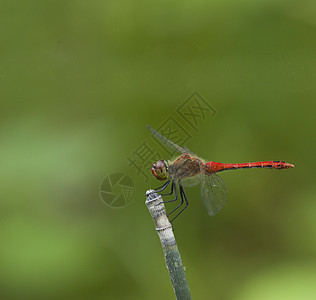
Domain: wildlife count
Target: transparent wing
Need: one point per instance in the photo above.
(166, 142)
(191, 181)
(213, 192)
(187, 150)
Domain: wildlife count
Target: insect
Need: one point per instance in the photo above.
(188, 170)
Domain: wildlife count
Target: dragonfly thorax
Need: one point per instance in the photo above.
(160, 170)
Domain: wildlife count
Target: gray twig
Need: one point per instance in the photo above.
(173, 260)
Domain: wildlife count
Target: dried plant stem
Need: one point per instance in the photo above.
(172, 256)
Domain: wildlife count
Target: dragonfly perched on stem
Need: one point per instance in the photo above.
(188, 170)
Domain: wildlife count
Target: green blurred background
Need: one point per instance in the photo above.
(78, 82)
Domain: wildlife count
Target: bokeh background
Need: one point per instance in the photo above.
(78, 82)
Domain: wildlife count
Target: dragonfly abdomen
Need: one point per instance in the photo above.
(273, 164)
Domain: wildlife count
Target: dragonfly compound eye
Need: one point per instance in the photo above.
(160, 170)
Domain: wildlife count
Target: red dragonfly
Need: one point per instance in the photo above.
(188, 170)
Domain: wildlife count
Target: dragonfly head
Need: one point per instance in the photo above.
(160, 170)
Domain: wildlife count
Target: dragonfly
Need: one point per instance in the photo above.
(188, 170)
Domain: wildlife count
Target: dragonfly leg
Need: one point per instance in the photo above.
(174, 186)
(161, 188)
(182, 194)
(171, 191)
(178, 205)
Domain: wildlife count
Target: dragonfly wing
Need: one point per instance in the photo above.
(213, 192)
(191, 181)
(165, 141)
(187, 150)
